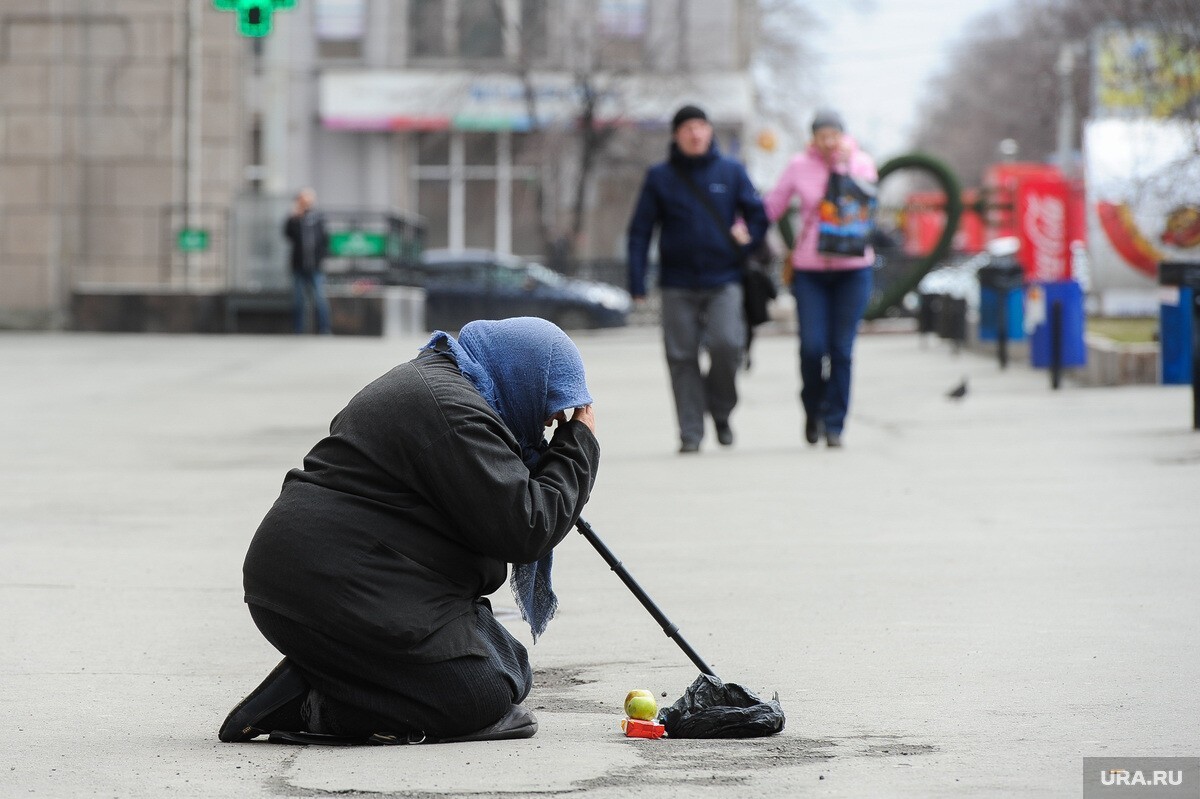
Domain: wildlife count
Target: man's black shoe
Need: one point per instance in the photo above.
(689, 447)
(248, 720)
(724, 434)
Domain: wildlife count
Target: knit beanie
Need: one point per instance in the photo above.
(827, 118)
(686, 113)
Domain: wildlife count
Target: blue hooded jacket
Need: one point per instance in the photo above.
(693, 251)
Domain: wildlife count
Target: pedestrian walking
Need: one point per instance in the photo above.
(305, 231)
(831, 290)
(709, 219)
(370, 572)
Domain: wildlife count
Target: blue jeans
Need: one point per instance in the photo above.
(304, 287)
(829, 306)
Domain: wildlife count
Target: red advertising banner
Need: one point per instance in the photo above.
(1042, 225)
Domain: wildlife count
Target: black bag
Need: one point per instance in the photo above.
(710, 708)
(757, 288)
(845, 216)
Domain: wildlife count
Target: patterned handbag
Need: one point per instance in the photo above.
(845, 216)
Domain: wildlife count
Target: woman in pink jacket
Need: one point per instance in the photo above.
(831, 291)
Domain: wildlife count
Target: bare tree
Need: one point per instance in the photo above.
(1002, 81)
(784, 64)
(572, 152)
(585, 138)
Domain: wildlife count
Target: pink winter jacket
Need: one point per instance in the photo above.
(805, 178)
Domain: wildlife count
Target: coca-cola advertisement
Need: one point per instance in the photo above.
(1042, 224)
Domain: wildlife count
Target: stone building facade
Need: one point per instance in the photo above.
(122, 127)
(93, 118)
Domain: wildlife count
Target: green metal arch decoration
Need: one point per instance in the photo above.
(954, 207)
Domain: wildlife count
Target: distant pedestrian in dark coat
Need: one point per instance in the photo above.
(305, 231)
(700, 269)
(370, 572)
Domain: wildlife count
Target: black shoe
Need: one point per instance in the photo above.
(833, 440)
(516, 723)
(812, 430)
(284, 685)
(724, 434)
(689, 447)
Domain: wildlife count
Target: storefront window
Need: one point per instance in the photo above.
(529, 149)
(622, 19)
(534, 29)
(479, 149)
(339, 26)
(475, 29)
(433, 149)
(526, 237)
(474, 195)
(480, 214)
(480, 29)
(433, 203)
(621, 31)
(427, 27)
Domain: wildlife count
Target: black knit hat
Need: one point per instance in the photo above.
(827, 118)
(686, 113)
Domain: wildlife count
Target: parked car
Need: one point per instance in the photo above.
(461, 286)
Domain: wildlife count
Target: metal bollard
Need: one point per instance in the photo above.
(1196, 359)
(1187, 273)
(1056, 343)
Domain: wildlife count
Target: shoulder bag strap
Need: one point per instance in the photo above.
(707, 202)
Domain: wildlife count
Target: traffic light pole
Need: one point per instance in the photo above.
(193, 74)
(274, 111)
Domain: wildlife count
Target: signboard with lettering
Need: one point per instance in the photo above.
(192, 240)
(1041, 220)
(358, 244)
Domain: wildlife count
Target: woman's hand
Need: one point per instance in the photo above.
(584, 414)
(587, 416)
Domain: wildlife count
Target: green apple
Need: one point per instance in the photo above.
(640, 705)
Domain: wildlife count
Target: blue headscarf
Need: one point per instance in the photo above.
(527, 370)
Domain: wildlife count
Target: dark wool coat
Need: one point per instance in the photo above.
(309, 241)
(409, 511)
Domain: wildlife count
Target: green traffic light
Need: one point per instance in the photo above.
(254, 16)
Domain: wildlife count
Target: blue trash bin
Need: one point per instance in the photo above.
(989, 307)
(1175, 339)
(1072, 349)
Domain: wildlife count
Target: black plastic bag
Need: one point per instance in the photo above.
(757, 292)
(710, 708)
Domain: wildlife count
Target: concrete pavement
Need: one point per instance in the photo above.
(966, 601)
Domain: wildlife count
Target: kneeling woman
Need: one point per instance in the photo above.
(370, 571)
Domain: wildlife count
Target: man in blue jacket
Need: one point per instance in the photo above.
(710, 218)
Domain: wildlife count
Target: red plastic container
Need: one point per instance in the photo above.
(636, 728)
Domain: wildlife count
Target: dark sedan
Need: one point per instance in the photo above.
(479, 284)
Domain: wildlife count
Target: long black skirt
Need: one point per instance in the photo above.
(356, 692)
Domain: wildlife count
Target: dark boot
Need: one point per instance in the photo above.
(516, 723)
(274, 704)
